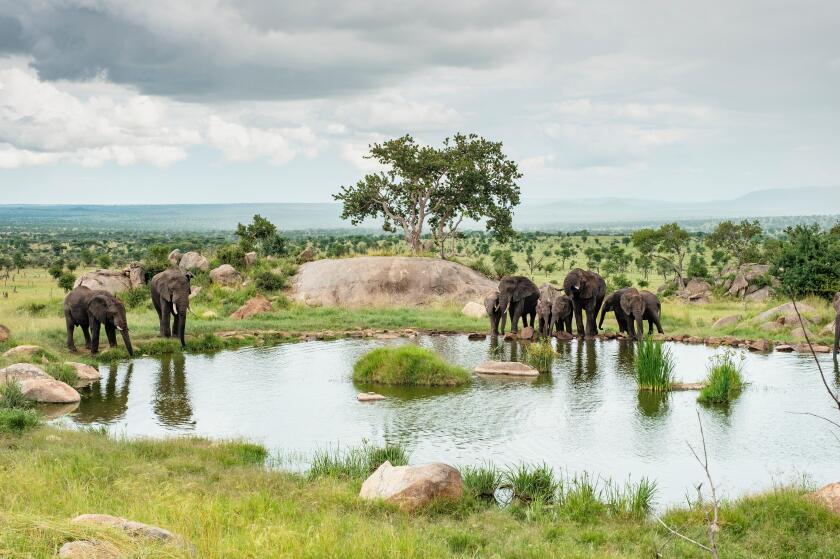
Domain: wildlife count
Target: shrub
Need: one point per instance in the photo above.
(137, 297)
(66, 280)
(503, 264)
(724, 380)
(233, 255)
(16, 420)
(266, 280)
(540, 355)
(654, 366)
(407, 364)
(35, 309)
(481, 481)
(481, 266)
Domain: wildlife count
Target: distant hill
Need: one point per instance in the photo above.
(795, 204)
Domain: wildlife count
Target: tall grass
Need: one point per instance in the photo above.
(16, 414)
(356, 462)
(11, 396)
(63, 372)
(530, 483)
(724, 380)
(481, 481)
(540, 355)
(407, 364)
(654, 366)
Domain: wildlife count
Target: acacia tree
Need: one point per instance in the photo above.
(739, 241)
(668, 244)
(468, 178)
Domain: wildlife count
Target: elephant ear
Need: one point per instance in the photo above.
(588, 286)
(524, 289)
(166, 292)
(98, 307)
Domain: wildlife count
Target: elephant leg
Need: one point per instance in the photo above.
(86, 331)
(94, 331)
(591, 327)
(568, 323)
(111, 333)
(631, 328)
(517, 313)
(579, 321)
(71, 326)
(164, 320)
(658, 324)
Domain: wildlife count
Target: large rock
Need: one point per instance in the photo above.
(474, 310)
(759, 295)
(255, 305)
(250, 259)
(696, 291)
(85, 373)
(739, 286)
(507, 368)
(5, 333)
(22, 351)
(788, 313)
(226, 275)
(412, 487)
(129, 526)
(175, 257)
(306, 255)
(194, 261)
(387, 281)
(829, 496)
(37, 385)
(113, 281)
(727, 321)
(88, 549)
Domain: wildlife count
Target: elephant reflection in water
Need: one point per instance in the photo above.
(172, 401)
(626, 357)
(106, 401)
(586, 364)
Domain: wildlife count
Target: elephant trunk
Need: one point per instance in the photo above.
(182, 326)
(504, 302)
(604, 310)
(127, 341)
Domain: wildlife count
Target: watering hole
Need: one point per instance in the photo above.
(585, 415)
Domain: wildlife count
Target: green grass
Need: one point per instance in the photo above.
(11, 396)
(226, 503)
(355, 463)
(540, 355)
(16, 420)
(654, 366)
(481, 481)
(408, 365)
(532, 482)
(724, 380)
(63, 372)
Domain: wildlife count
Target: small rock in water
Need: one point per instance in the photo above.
(680, 386)
(527, 333)
(563, 335)
(804, 348)
(369, 397)
(476, 336)
(694, 340)
(758, 345)
(784, 348)
(510, 336)
(85, 373)
(507, 368)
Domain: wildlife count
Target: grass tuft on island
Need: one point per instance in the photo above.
(654, 366)
(724, 380)
(407, 365)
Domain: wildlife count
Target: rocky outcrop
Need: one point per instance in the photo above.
(88, 549)
(192, 261)
(506, 368)
(829, 496)
(22, 351)
(5, 333)
(37, 385)
(129, 526)
(412, 487)
(727, 321)
(387, 281)
(474, 310)
(226, 275)
(194, 291)
(255, 305)
(85, 373)
(748, 281)
(250, 259)
(113, 281)
(696, 291)
(785, 315)
(306, 255)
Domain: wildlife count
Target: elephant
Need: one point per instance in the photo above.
(633, 305)
(836, 304)
(562, 311)
(170, 291)
(587, 290)
(653, 310)
(491, 304)
(612, 302)
(518, 296)
(547, 295)
(90, 309)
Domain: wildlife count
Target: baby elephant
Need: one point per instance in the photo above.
(91, 309)
(633, 306)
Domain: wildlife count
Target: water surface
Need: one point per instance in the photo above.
(587, 414)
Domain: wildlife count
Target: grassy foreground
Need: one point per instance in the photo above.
(220, 497)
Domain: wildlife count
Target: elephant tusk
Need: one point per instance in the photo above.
(118, 328)
(175, 309)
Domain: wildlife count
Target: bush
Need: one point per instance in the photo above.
(724, 380)
(137, 297)
(540, 355)
(16, 420)
(806, 262)
(266, 280)
(66, 280)
(481, 266)
(654, 366)
(407, 364)
(233, 255)
(503, 264)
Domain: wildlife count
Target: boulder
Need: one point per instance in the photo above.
(563, 335)
(527, 333)
(306, 255)
(787, 311)
(738, 287)
(387, 281)
(818, 348)
(175, 257)
(129, 526)
(250, 259)
(828, 496)
(474, 310)
(784, 348)
(693, 340)
(507, 368)
(412, 487)
(772, 326)
(209, 315)
(759, 295)
(255, 305)
(112, 281)
(87, 549)
(22, 351)
(758, 345)
(194, 261)
(226, 275)
(5, 333)
(85, 373)
(799, 333)
(369, 397)
(38, 386)
(136, 274)
(194, 291)
(828, 329)
(730, 320)
(696, 291)
(476, 336)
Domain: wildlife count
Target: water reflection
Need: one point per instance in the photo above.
(107, 400)
(653, 404)
(172, 400)
(586, 364)
(626, 357)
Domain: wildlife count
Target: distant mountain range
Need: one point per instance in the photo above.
(552, 214)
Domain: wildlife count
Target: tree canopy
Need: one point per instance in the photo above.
(468, 178)
(668, 244)
(739, 241)
(806, 261)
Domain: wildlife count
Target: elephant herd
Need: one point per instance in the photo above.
(92, 309)
(583, 291)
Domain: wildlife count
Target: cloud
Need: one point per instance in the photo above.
(242, 143)
(393, 112)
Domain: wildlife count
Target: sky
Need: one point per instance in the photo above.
(215, 101)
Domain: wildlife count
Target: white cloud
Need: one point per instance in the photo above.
(392, 111)
(242, 143)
